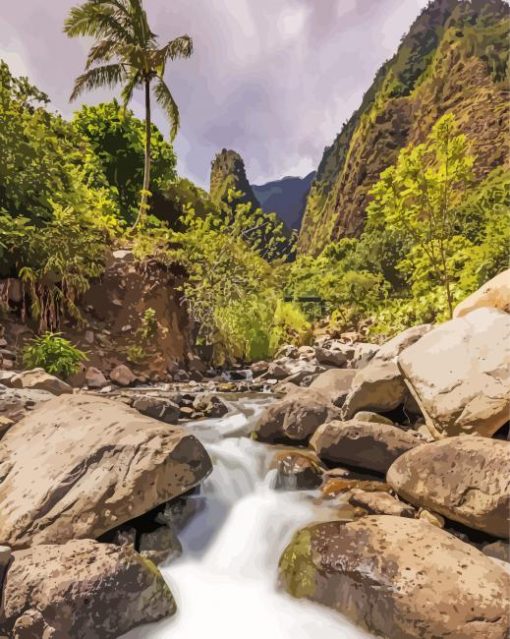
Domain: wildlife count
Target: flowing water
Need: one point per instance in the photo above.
(225, 581)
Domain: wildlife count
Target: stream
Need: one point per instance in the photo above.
(225, 581)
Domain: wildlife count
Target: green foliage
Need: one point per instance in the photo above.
(57, 212)
(118, 140)
(149, 324)
(57, 355)
(419, 199)
(126, 52)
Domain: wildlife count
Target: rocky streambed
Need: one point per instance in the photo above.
(373, 480)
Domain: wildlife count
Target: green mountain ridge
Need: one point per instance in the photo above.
(453, 59)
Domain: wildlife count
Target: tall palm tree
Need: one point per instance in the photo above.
(126, 52)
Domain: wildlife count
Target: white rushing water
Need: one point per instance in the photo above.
(225, 582)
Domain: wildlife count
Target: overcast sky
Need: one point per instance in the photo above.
(272, 79)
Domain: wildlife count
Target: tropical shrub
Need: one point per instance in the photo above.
(57, 355)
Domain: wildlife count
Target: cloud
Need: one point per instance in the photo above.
(273, 79)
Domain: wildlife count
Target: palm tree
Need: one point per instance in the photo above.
(126, 52)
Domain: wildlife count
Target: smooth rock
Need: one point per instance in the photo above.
(210, 405)
(498, 549)
(459, 374)
(160, 545)
(399, 578)
(39, 379)
(297, 470)
(379, 387)
(294, 418)
(82, 589)
(391, 350)
(494, 294)
(81, 465)
(330, 357)
(157, 407)
(94, 378)
(334, 384)
(15, 403)
(363, 444)
(466, 479)
(122, 375)
(368, 416)
(380, 503)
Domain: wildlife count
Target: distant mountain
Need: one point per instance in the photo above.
(286, 197)
(228, 172)
(454, 59)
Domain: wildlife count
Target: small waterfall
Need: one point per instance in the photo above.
(225, 582)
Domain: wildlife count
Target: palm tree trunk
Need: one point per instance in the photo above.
(144, 201)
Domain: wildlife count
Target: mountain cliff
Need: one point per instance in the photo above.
(454, 59)
(286, 197)
(229, 173)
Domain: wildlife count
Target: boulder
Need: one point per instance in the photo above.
(210, 405)
(294, 418)
(362, 444)
(459, 374)
(466, 479)
(123, 375)
(297, 470)
(259, 368)
(380, 503)
(494, 294)
(6, 378)
(5, 424)
(378, 387)
(334, 385)
(16, 403)
(5, 560)
(94, 378)
(368, 416)
(498, 549)
(330, 357)
(39, 379)
(81, 589)
(399, 578)
(79, 466)
(157, 408)
(160, 545)
(391, 350)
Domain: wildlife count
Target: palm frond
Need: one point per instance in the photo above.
(140, 23)
(103, 51)
(98, 20)
(133, 80)
(167, 103)
(107, 75)
(181, 47)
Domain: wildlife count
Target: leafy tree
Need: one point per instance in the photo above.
(126, 52)
(420, 198)
(118, 141)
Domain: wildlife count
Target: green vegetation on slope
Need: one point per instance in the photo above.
(434, 234)
(67, 192)
(454, 58)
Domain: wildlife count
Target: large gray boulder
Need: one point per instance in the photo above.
(391, 350)
(79, 466)
(399, 578)
(493, 294)
(466, 479)
(363, 444)
(39, 379)
(81, 589)
(295, 418)
(334, 385)
(459, 374)
(378, 387)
